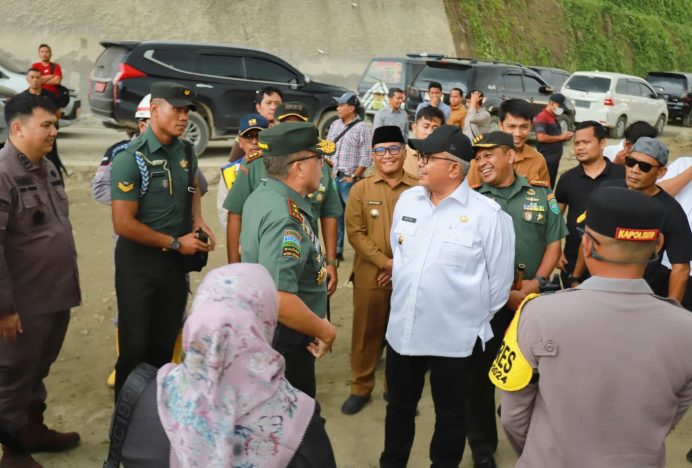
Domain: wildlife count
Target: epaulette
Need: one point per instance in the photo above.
(539, 183)
(476, 186)
(252, 157)
(294, 211)
(328, 161)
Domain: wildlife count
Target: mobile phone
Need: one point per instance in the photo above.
(201, 235)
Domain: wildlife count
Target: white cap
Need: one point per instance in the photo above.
(143, 107)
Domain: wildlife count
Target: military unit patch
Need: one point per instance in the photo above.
(294, 211)
(251, 157)
(125, 186)
(552, 203)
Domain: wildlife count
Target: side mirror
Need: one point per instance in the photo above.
(546, 90)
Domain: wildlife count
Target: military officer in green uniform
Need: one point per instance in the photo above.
(539, 229)
(277, 232)
(156, 211)
(325, 204)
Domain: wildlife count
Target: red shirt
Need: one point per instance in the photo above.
(50, 69)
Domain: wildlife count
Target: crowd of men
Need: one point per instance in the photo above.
(456, 232)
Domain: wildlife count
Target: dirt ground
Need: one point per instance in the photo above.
(80, 400)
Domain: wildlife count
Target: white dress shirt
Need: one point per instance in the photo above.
(684, 196)
(453, 269)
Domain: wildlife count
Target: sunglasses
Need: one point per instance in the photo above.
(393, 150)
(250, 136)
(643, 166)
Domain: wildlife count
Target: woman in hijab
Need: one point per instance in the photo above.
(228, 404)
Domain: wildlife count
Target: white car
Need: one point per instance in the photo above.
(615, 100)
(14, 78)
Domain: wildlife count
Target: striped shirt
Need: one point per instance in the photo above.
(353, 150)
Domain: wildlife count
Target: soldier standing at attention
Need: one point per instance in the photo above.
(539, 229)
(368, 222)
(277, 233)
(598, 375)
(157, 213)
(38, 278)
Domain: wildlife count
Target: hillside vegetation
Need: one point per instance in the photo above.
(627, 36)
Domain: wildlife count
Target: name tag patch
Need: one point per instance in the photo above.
(408, 219)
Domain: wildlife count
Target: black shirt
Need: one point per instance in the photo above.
(573, 189)
(677, 238)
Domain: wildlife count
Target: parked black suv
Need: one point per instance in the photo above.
(555, 77)
(677, 89)
(225, 79)
(497, 80)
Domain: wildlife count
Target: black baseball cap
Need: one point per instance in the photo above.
(493, 140)
(623, 214)
(557, 97)
(175, 94)
(447, 138)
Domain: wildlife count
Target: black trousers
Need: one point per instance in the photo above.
(449, 379)
(315, 451)
(481, 427)
(151, 291)
(300, 370)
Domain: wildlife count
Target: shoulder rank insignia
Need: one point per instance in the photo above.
(252, 157)
(539, 183)
(510, 370)
(476, 186)
(125, 186)
(294, 211)
(328, 160)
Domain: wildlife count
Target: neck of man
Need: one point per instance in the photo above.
(45, 62)
(615, 270)
(31, 155)
(436, 196)
(392, 179)
(594, 167)
(164, 138)
(506, 180)
(349, 118)
(34, 90)
(650, 191)
(296, 185)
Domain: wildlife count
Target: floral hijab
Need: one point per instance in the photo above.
(228, 404)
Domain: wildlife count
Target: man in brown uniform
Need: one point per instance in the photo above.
(368, 222)
(38, 278)
(515, 118)
(598, 375)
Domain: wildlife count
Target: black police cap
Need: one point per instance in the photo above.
(623, 214)
(386, 134)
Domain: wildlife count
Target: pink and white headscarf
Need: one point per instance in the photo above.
(228, 404)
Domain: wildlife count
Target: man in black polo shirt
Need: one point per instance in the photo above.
(574, 186)
(643, 166)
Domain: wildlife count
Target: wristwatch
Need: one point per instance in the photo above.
(574, 279)
(541, 282)
(333, 262)
(175, 244)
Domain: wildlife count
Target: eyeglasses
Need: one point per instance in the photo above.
(250, 136)
(393, 150)
(643, 166)
(316, 155)
(425, 158)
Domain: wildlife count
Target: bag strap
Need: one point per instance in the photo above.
(124, 409)
(190, 186)
(52, 68)
(348, 127)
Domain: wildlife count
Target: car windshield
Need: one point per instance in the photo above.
(389, 72)
(590, 84)
(448, 77)
(670, 84)
(10, 65)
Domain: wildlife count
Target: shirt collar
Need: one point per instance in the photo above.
(632, 286)
(288, 192)
(404, 179)
(154, 144)
(20, 158)
(604, 172)
(501, 192)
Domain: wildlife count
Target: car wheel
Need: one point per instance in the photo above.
(325, 121)
(687, 119)
(660, 125)
(619, 129)
(494, 123)
(197, 132)
(565, 124)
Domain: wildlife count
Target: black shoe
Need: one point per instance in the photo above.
(689, 456)
(484, 461)
(354, 404)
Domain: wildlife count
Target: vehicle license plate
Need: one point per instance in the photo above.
(579, 103)
(100, 86)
